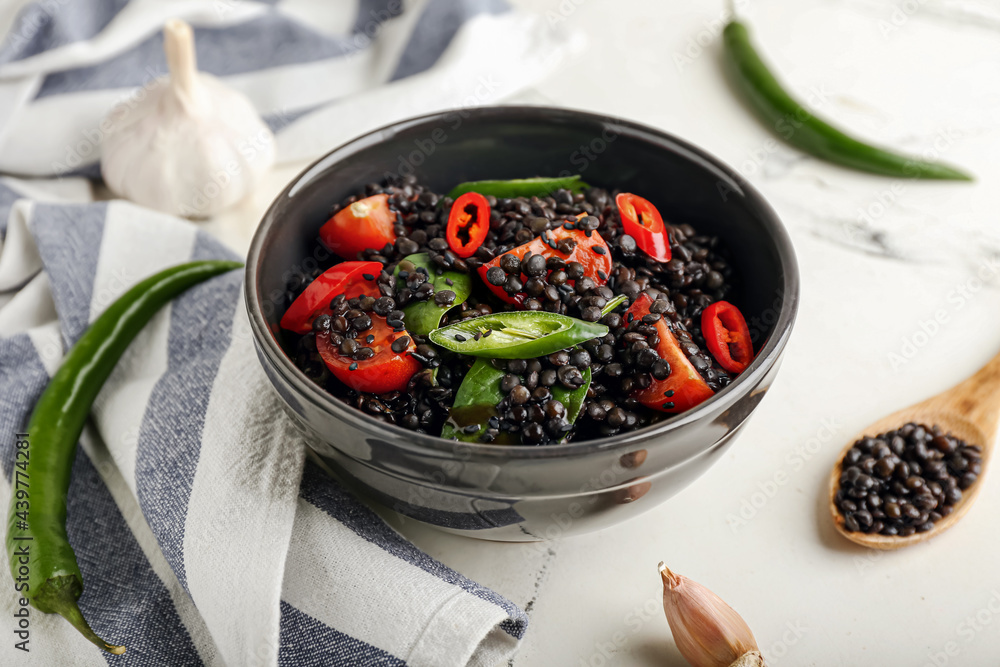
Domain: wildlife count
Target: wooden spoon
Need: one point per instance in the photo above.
(969, 411)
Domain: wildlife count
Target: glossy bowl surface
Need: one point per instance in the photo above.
(524, 493)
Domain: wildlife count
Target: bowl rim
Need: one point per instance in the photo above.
(427, 444)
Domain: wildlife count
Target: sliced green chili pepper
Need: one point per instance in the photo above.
(614, 303)
(520, 187)
(799, 127)
(475, 402)
(424, 316)
(516, 335)
(36, 529)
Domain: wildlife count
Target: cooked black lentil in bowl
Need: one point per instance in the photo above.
(413, 320)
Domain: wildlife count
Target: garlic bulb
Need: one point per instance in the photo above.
(707, 631)
(190, 145)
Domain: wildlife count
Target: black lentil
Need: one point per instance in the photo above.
(322, 323)
(510, 264)
(533, 265)
(496, 276)
(444, 298)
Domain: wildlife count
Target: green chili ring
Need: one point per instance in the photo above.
(53, 577)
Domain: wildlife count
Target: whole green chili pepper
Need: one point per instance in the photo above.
(521, 334)
(539, 186)
(422, 317)
(37, 545)
(799, 127)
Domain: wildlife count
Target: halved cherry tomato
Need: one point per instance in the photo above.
(468, 224)
(385, 371)
(684, 388)
(590, 250)
(349, 278)
(642, 221)
(367, 223)
(727, 336)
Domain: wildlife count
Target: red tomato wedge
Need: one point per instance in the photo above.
(349, 278)
(642, 221)
(468, 224)
(727, 337)
(383, 372)
(590, 251)
(684, 388)
(367, 223)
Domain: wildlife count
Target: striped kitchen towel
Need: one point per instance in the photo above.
(203, 534)
(318, 71)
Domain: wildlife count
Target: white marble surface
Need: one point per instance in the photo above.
(881, 259)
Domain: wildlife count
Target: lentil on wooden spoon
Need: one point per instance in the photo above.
(935, 450)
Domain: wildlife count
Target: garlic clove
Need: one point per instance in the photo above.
(707, 631)
(191, 146)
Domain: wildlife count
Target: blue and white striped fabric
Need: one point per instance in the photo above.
(203, 534)
(319, 71)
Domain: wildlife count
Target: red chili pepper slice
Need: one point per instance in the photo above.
(684, 388)
(642, 221)
(385, 371)
(348, 278)
(468, 224)
(590, 250)
(367, 223)
(726, 334)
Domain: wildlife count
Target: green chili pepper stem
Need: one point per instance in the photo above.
(37, 539)
(59, 595)
(791, 121)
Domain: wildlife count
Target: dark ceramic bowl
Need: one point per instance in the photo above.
(526, 493)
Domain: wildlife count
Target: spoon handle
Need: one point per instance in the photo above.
(977, 399)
